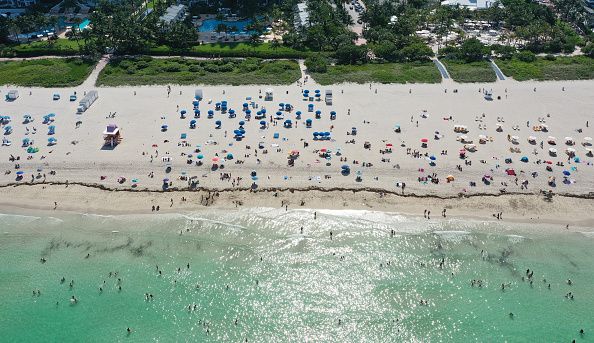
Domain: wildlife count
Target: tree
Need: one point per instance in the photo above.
(472, 50)
(180, 37)
(4, 30)
(416, 52)
(351, 54)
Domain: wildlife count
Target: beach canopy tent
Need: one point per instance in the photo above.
(198, 94)
(12, 95)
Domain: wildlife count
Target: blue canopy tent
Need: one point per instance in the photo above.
(218, 124)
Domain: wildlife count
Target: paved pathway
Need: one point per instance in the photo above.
(92, 78)
(442, 69)
(498, 71)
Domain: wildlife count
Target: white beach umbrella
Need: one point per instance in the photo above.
(553, 150)
(531, 139)
(570, 150)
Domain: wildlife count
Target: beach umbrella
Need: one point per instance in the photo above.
(524, 159)
(215, 159)
(218, 122)
(253, 173)
(298, 113)
(254, 178)
(245, 105)
(263, 111)
(51, 115)
(279, 113)
(199, 156)
(309, 121)
(262, 122)
(424, 140)
(317, 91)
(306, 91)
(241, 123)
(210, 112)
(183, 112)
(231, 111)
(193, 121)
(566, 173)
(318, 112)
(196, 103)
(20, 172)
(432, 158)
(165, 180)
(164, 127)
(229, 156)
(196, 111)
(282, 105)
(52, 140)
(345, 166)
(135, 180)
(316, 134)
(248, 112)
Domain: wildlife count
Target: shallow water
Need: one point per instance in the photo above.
(288, 286)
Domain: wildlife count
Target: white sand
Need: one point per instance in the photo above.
(139, 118)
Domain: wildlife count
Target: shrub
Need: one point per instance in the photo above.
(317, 64)
(526, 56)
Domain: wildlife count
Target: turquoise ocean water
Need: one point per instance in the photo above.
(253, 275)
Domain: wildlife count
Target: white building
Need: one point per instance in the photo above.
(174, 13)
(470, 4)
(301, 16)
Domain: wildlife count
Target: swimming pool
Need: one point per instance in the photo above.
(238, 26)
(83, 25)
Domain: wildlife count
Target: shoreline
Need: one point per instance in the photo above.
(561, 210)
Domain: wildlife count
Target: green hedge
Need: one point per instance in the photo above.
(263, 50)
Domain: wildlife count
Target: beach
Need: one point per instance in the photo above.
(404, 144)
(196, 234)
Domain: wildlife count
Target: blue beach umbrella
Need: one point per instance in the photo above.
(248, 112)
(20, 172)
(241, 123)
(199, 156)
(524, 159)
(432, 158)
(566, 173)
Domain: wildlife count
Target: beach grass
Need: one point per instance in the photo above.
(51, 72)
(234, 49)
(559, 68)
(419, 72)
(184, 71)
(468, 72)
